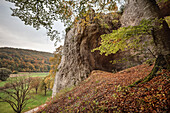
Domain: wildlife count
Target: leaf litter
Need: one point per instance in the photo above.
(107, 92)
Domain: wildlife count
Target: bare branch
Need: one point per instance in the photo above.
(18, 95)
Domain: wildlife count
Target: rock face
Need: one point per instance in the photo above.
(136, 10)
(78, 60)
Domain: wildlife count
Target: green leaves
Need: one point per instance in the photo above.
(126, 38)
(43, 13)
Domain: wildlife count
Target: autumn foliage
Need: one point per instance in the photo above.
(55, 61)
(107, 92)
(35, 83)
(24, 60)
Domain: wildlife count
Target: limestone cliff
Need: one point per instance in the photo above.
(135, 11)
(78, 60)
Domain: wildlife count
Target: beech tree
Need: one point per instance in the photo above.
(126, 38)
(43, 13)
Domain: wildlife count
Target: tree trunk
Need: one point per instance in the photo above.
(134, 12)
(160, 63)
(164, 7)
(45, 91)
(36, 89)
(161, 39)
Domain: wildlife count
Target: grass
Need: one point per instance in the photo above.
(33, 74)
(38, 99)
(2, 83)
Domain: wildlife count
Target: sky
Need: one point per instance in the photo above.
(14, 33)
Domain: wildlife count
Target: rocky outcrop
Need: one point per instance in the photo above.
(78, 60)
(136, 10)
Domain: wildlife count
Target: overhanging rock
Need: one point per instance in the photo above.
(78, 60)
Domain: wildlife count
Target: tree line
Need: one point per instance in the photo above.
(23, 60)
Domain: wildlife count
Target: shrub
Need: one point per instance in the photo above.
(35, 82)
(43, 86)
(15, 72)
(4, 73)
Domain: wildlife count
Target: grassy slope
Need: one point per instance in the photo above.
(103, 92)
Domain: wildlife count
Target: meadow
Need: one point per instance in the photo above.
(37, 100)
(25, 74)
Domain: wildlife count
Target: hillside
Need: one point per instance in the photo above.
(24, 60)
(104, 92)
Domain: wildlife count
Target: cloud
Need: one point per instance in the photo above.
(14, 33)
(27, 40)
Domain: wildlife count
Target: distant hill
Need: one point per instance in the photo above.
(24, 60)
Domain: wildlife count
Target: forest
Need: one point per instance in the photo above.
(23, 60)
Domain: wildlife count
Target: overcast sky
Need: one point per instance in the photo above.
(14, 33)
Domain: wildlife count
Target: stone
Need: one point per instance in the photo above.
(78, 60)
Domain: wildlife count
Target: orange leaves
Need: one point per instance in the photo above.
(104, 92)
(115, 41)
(55, 61)
(25, 60)
(51, 59)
